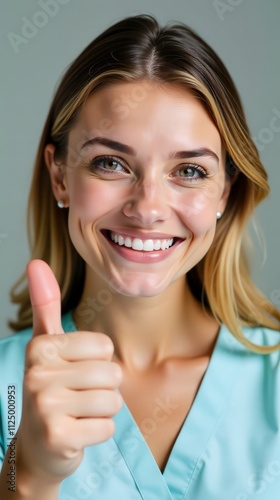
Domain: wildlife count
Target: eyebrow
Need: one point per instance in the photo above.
(123, 148)
(195, 153)
(118, 146)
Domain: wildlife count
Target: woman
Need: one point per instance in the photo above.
(145, 178)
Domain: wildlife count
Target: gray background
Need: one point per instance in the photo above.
(245, 33)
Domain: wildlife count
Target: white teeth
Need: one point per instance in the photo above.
(141, 245)
(127, 242)
(157, 245)
(148, 246)
(137, 244)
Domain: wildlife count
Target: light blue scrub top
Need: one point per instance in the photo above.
(227, 449)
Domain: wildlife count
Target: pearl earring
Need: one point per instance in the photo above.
(218, 215)
(60, 204)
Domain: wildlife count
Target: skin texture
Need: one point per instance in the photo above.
(150, 337)
(148, 197)
(158, 329)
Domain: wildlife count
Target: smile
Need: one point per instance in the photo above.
(136, 247)
(145, 245)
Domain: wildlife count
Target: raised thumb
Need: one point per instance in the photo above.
(45, 298)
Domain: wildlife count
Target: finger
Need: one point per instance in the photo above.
(81, 432)
(87, 346)
(93, 404)
(45, 298)
(91, 431)
(90, 375)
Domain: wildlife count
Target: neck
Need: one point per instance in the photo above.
(148, 330)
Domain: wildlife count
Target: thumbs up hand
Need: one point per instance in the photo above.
(45, 299)
(70, 399)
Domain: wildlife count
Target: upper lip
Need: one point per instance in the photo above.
(134, 233)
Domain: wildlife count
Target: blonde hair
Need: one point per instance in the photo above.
(136, 49)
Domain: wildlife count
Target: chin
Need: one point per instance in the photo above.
(139, 287)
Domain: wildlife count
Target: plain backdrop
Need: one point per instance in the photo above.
(40, 39)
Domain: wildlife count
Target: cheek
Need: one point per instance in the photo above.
(89, 200)
(198, 211)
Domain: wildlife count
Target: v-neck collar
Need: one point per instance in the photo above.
(223, 371)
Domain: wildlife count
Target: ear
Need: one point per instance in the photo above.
(56, 175)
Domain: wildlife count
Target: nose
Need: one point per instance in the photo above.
(147, 204)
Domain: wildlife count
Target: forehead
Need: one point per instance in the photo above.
(149, 112)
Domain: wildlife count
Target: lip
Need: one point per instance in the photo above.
(142, 256)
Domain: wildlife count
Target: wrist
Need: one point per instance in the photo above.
(31, 480)
(28, 487)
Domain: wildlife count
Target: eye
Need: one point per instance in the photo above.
(191, 172)
(107, 164)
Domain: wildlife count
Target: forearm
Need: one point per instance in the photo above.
(19, 484)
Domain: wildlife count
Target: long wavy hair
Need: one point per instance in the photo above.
(137, 49)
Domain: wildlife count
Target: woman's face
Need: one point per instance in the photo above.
(144, 180)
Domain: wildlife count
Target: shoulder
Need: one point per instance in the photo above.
(259, 335)
(14, 345)
(233, 351)
(265, 337)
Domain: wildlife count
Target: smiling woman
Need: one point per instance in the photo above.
(156, 193)
(145, 178)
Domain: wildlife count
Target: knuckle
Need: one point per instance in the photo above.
(108, 428)
(40, 351)
(35, 379)
(117, 372)
(105, 403)
(115, 401)
(31, 380)
(31, 352)
(105, 342)
(119, 401)
(43, 403)
(53, 434)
